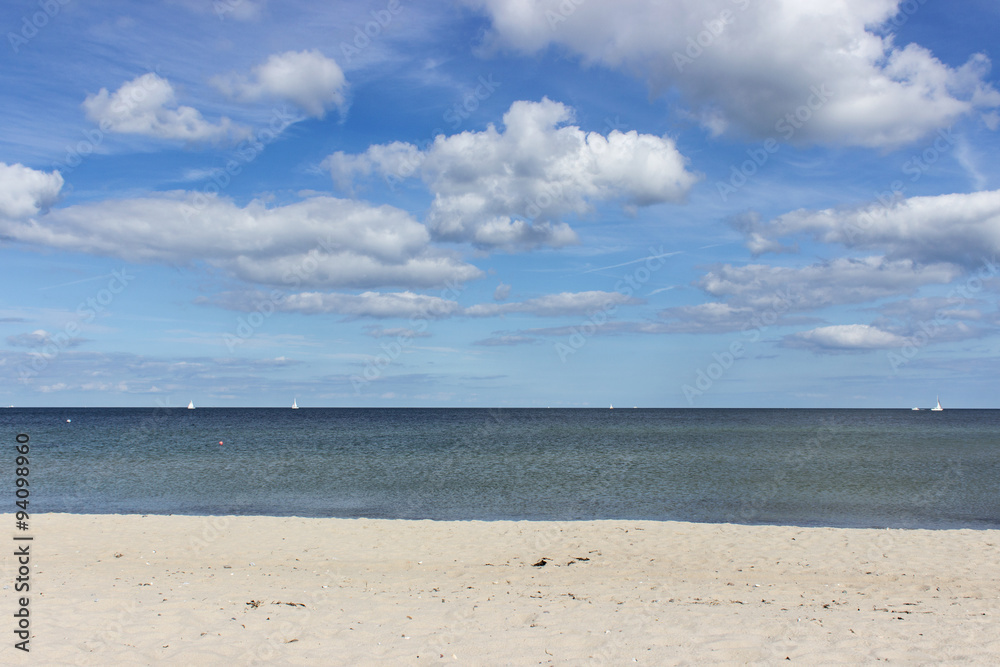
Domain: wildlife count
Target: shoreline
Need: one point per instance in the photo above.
(169, 589)
(915, 527)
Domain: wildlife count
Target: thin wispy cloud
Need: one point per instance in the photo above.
(634, 261)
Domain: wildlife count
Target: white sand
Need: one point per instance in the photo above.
(131, 590)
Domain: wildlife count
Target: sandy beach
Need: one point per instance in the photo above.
(144, 590)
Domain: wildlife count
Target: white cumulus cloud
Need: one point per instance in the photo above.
(960, 228)
(845, 338)
(319, 241)
(831, 71)
(512, 188)
(147, 105)
(307, 79)
(25, 192)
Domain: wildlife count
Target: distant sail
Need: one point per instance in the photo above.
(191, 405)
(295, 405)
(937, 408)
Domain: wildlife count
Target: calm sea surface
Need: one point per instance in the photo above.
(870, 468)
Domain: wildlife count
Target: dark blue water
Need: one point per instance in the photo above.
(867, 468)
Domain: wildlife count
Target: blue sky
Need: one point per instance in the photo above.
(731, 203)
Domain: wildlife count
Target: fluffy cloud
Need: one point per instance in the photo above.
(938, 319)
(744, 66)
(838, 281)
(959, 228)
(307, 79)
(757, 296)
(147, 105)
(24, 191)
(555, 305)
(512, 188)
(320, 241)
(845, 338)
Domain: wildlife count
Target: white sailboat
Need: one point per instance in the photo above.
(295, 405)
(937, 408)
(191, 405)
(612, 407)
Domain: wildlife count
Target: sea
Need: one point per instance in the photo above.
(843, 468)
